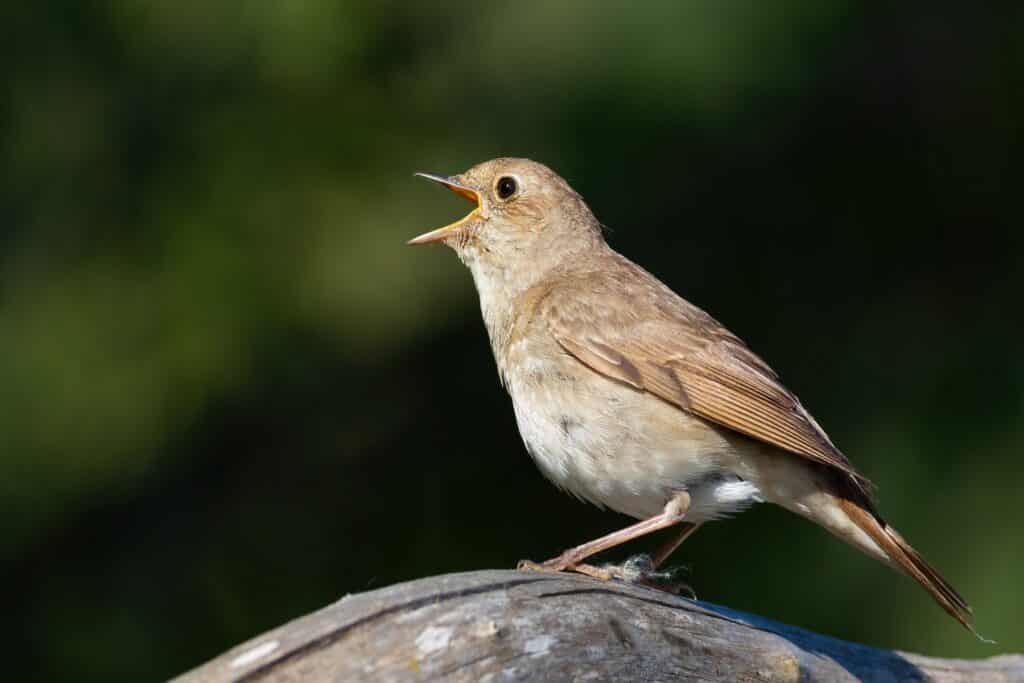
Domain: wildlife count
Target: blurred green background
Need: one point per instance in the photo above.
(230, 395)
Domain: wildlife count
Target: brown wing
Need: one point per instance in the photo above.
(655, 341)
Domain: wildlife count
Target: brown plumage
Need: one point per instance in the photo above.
(903, 557)
(655, 341)
(631, 397)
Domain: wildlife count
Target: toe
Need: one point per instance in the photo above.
(599, 573)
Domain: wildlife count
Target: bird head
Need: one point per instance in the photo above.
(526, 219)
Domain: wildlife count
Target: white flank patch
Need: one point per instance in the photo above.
(731, 492)
(255, 653)
(433, 639)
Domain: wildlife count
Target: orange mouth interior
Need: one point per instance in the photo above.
(471, 196)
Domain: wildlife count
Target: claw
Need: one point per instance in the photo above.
(563, 562)
(531, 566)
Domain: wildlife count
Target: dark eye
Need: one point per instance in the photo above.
(507, 187)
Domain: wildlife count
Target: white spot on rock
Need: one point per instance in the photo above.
(503, 675)
(432, 639)
(485, 629)
(536, 647)
(250, 656)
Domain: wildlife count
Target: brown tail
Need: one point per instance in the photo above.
(903, 557)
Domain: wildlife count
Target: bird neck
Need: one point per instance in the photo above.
(498, 291)
(507, 295)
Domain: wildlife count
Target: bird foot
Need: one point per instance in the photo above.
(640, 570)
(565, 564)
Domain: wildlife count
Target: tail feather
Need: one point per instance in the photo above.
(903, 557)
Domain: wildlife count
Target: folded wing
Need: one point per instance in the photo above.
(677, 352)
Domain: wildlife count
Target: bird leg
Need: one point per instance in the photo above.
(571, 560)
(685, 529)
(643, 569)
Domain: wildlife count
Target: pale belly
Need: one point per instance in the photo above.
(626, 450)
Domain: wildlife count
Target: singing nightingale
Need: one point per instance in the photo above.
(632, 398)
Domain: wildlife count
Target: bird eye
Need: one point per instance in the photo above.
(506, 187)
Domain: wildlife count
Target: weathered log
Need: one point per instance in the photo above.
(527, 626)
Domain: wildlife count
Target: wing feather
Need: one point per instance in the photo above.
(659, 343)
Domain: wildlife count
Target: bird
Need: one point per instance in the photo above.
(631, 398)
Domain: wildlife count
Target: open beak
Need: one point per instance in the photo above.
(448, 230)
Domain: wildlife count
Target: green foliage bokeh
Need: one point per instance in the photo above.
(229, 394)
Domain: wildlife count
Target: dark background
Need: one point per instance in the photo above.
(230, 395)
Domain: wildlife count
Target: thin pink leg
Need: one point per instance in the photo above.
(673, 513)
(686, 529)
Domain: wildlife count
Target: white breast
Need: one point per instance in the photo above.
(619, 448)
